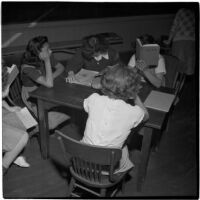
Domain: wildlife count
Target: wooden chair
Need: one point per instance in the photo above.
(88, 163)
(175, 78)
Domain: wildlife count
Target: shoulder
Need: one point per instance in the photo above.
(93, 97)
(137, 111)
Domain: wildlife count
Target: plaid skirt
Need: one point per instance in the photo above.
(185, 51)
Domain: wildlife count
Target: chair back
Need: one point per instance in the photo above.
(16, 86)
(90, 161)
(175, 78)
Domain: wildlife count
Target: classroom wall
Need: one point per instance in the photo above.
(126, 27)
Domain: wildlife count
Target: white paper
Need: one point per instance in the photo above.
(26, 118)
(85, 77)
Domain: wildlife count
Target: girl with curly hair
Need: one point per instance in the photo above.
(110, 117)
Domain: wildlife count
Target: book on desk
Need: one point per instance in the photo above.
(147, 52)
(159, 101)
(85, 77)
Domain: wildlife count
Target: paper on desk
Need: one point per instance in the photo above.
(26, 118)
(159, 101)
(85, 77)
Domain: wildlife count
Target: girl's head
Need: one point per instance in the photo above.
(147, 39)
(94, 46)
(119, 82)
(35, 49)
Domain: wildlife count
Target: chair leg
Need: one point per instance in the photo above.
(103, 192)
(71, 186)
(123, 185)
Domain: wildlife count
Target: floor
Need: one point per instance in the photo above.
(172, 170)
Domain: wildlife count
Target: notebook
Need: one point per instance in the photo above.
(85, 77)
(159, 101)
(147, 52)
(26, 118)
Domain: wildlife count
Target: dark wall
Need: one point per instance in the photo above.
(24, 12)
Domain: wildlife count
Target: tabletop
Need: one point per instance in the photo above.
(73, 95)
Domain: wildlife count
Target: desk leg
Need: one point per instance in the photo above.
(44, 129)
(145, 152)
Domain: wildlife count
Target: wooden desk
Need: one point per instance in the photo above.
(72, 95)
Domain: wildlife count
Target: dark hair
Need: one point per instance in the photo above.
(147, 39)
(4, 74)
(94, 44)
(31, 55)
(120, 82)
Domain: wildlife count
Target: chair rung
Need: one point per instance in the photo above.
(114, 192)
(74, 195)
(84, 188)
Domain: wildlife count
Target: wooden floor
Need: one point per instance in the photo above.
(172, 171)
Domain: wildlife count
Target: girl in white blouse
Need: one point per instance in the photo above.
(110, 117)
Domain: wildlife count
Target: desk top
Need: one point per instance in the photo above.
(72, 95)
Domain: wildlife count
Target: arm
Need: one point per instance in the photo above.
(59, 70)
(141, 105)
(46, 80)
(10, 108)
(154, 78)
(74, 65)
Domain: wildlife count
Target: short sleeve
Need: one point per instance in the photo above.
(88, 102)
(138, 115)
(132, 61)
(31, 72)
(161, 66)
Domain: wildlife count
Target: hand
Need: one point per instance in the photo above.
(45, 55)
(15, 109)
(71, 77)
(141, 65)
(96, 83)
(166, 42)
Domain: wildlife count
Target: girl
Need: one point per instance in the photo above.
(95, 55)
(14, 135)
(154, 75)
(110, 117)
(40, 68)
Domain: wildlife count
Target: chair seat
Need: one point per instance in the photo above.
(105, 182)
(56, 118)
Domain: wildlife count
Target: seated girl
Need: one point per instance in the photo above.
(14, 135)
(154, 75)
(95, 55)
(39, 67)
(110, 117)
